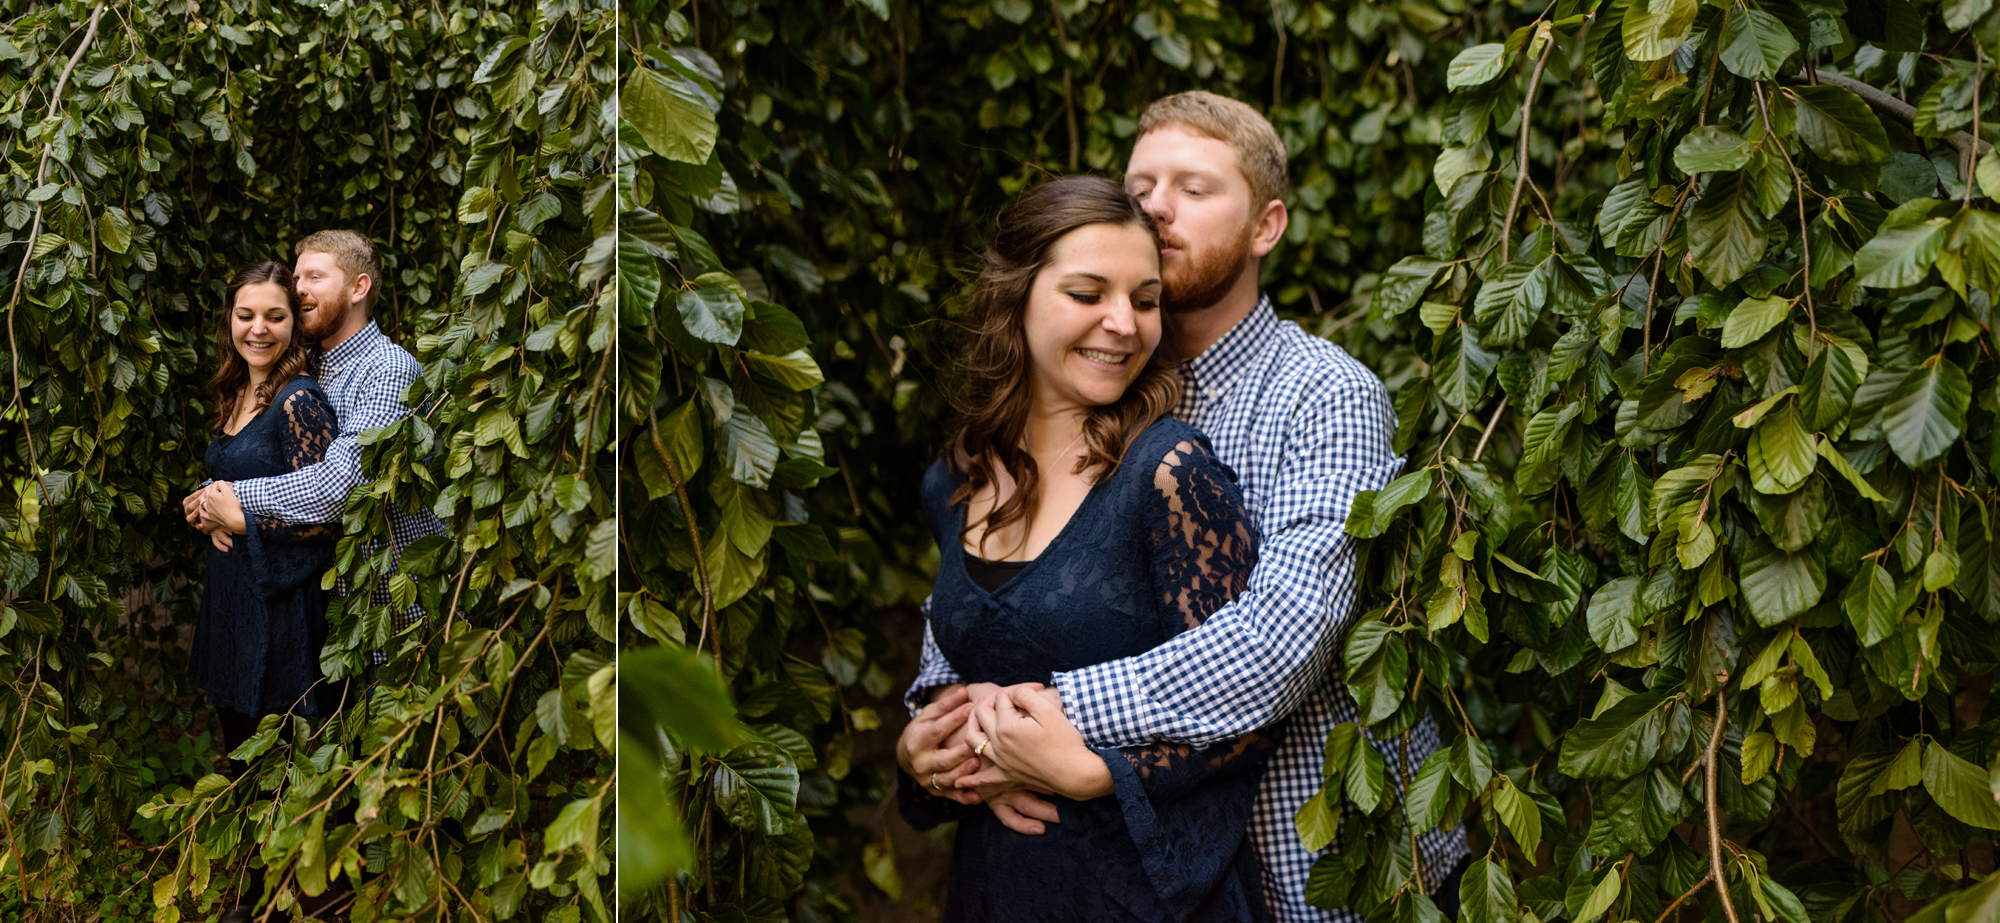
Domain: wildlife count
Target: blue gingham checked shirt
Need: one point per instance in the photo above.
(364, 378)
(1306, 427)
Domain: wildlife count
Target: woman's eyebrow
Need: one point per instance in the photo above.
(1094, 277)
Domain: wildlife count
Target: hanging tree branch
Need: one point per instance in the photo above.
(28, 249)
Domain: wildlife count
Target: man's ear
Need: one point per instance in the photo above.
(1269, 228)
(364, 283)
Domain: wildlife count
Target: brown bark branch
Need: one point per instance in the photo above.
(1710, 808)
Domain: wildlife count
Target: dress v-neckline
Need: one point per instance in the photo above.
(1030, 564)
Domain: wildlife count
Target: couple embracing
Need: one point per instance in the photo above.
(1128, 671)
(303, 371)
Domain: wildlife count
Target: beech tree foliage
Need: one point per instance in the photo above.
(151, 147)
(1695, 544)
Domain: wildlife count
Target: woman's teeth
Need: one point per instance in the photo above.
(1106, 358)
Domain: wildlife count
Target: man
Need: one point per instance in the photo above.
(364, 376)
(1306, 427)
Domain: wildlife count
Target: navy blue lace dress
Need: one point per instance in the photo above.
(263, 614)
(1151, 552)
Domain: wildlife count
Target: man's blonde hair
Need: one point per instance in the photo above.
(1259, 152)
(353, 252)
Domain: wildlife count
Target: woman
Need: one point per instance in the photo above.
(263, 614)
(1078, 524)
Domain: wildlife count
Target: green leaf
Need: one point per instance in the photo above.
(1653, 29)
(1781, 452)
(1462, 370)
(757, 789)
(1725, 229)
(1456, 163)
(1901, 256)
(1613, 614)
(575, 826)
(1618, 744)
(1926, 412)
(1430, 792)
(673, 689)
(712, 313)
(670, 114)
(1404, 285)
(751, 449)
(1367, 776)
(1778, 585)
(1519, 813)
(1828, 389)
(1476, 65)
(1711, 149)
(1960, 788)
(1872, 603)
(1510, 301)
(1318, 821)
(796, 370)
(1846, 469)
(1486, 894)
(1603, 895)
(1403, 491)
(1760, 750)
(1752, 318)
(1838, 126)
(1755, 44)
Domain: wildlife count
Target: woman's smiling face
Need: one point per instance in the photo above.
(1093, 318)
(260, 324)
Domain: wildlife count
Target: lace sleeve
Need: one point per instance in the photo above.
(307, 427)
(1204, 547)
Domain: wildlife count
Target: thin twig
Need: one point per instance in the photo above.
(1521, 158)
(1805, 241)
(1683, 898)
(1978, 77)
(694, 535)
(1492, 421)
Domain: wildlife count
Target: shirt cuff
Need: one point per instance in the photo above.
(1103, 702)
(250, 495)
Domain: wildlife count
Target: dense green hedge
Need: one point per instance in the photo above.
(1661, 471)
(150, 147)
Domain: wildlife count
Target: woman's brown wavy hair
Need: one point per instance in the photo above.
(992, 395)
(232, 377)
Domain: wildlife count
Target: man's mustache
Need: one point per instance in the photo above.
(1169, 240)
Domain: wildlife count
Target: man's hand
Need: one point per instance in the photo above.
(191, 506)
(1023, 738)
(222, 541)
(923, 752)
(219, 509)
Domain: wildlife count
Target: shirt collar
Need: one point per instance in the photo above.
(1221, 364)
(363, 340)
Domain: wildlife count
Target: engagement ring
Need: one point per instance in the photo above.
(934, 785)
(981, 749)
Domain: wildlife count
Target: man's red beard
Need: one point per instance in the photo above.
(1203, 276)
(322, 321)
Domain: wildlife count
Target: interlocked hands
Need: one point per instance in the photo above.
(216, 511)
(1003, 747)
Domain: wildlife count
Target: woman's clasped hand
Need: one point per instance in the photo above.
(961, 748)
